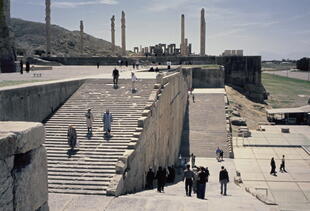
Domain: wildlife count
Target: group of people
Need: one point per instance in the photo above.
(162, 176)
(107, 119)
(195, 179)
(21, 64)
(273, 166)
(134, 78)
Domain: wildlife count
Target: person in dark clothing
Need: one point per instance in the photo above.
(27, 67)
(171, 175)
(224, 179)
(282, 166)
(201, 183)
(188, 177)
(98, 65)
(115, 76)
(156, 69)
(273, 167)
(21, 67)
(126, 63)
(161, 179)
(149, 179)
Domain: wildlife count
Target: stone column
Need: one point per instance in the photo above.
(113, 34)
(48, 26)
(182, 47)
(123, 21)
(202, 33)
(82, 37)
(7, 53)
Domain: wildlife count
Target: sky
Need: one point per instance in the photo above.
(274, 29)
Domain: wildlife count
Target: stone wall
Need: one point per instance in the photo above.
(23, 167)
(35, 102)
(204, 77)
(7, 55)
(158, 136)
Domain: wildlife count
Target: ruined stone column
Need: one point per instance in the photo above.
(113, 34)
(82, 37)
(123, 21)
(48, 26)
(202, 33)
(186, 47)
(182, 35)
(7, 53)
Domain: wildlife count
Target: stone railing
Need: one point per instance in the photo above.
(157, 139)
(35, 102)
(23, 167)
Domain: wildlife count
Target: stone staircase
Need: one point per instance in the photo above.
(90, 170)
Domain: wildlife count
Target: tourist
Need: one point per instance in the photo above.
(72, 137)
(193, 158)
(282, 166)
(193, 97)
(217, 152)
(133, 65)
(137, 64)
(115, 76)
(89, 120)
(98, 65)
(21, 67)
(156, 69)
(171, 174)
(107, 121)
(133, 81)
(201, 183)
(149, 179)
(161, 179)
(188, 177)
(27, 67)
(273, 167)
(195, 170)
(224, 179)
(126, 63)
(221, 155)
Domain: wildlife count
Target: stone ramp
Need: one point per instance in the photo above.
(205, 124)
(89, 170)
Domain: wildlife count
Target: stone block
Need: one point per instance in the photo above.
(141, 121)
(120, 166)
(30, 173)
(6, 183)
(116, 186)
(22, 137)
(132, 145)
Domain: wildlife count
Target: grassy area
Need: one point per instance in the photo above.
(277, 67)
(14, 83)
(286, 92)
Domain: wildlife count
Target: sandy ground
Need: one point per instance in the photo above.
(252, 112)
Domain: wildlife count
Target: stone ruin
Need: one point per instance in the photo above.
(7, 52)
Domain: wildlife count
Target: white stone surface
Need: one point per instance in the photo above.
(23, 137)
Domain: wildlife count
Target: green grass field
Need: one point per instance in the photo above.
(14, 83)
(286, 92)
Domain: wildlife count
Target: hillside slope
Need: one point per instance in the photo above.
(30, 38)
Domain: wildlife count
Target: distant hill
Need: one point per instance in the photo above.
(30, 39)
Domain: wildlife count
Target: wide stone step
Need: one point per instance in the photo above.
(77, 187)
(82, 167)
(72, 191)
(74, 174)
(84, 178)
(82, 171)
(81, 163)
(100, 184)
(81, 156)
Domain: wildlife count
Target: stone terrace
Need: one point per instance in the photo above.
(89, 170)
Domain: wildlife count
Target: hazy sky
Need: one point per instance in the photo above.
(272, 28)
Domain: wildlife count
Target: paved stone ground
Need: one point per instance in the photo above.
(206, 124)
(291, 74)
(290, 190)
(70, 72)
(173, 199)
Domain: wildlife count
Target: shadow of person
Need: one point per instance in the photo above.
(71, 152)
(89, 134)
(107, 137)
